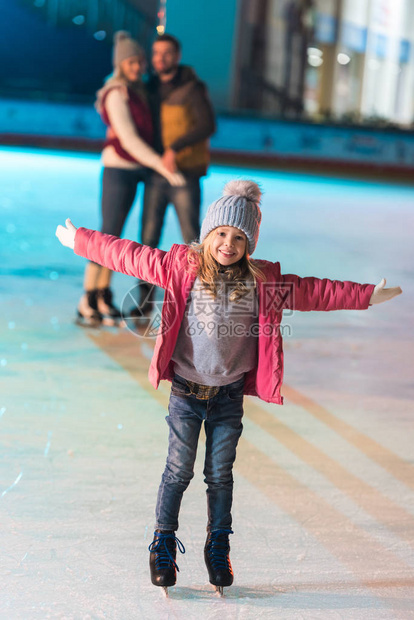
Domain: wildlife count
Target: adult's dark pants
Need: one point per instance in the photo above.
(158, 194)
(119, 188)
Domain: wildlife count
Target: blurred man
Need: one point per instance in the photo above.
(183, 120)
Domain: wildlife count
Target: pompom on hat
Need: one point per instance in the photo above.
(238, 207)
(125, 47)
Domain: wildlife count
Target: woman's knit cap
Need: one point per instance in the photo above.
(125, 47)
(238, 207)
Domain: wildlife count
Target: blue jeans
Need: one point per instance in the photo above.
(222, 415)
(158, 194)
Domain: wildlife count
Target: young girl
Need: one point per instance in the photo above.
(219, 339)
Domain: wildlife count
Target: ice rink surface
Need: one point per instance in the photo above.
(324, 504)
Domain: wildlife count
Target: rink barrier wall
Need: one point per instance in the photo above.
(239, 139)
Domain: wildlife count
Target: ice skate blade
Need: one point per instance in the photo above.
(141, 320)
(165, 591)
(219, 590)
(81, 321)
(109, 321)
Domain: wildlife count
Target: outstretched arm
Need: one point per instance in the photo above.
(381, 294)
(133, 259)
(323, 295)
(307, 294)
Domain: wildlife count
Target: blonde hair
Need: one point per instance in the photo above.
(207, 269)
(118, 80)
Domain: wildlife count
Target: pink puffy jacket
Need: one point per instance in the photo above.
(172, 272)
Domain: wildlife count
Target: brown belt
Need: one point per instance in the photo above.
(202, 392)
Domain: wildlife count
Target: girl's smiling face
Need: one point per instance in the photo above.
(228, 245)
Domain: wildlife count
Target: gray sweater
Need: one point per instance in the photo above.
(217, 344)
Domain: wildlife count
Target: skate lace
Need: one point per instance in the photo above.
(218, 549)
(162, 547)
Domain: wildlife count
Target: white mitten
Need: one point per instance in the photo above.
(381, 294)
(66, 234)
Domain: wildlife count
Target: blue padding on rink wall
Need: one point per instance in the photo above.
(73, 125)
(315, 142)
(50, 119)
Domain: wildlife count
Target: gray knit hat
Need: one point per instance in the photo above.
(238, 207)
(124, 47)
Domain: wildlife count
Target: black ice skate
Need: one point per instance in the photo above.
(88, 314)
(110, 313)
(216, 556)
(163, 551)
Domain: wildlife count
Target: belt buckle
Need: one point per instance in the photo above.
(202, 392)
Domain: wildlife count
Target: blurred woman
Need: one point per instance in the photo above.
(127, 153)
